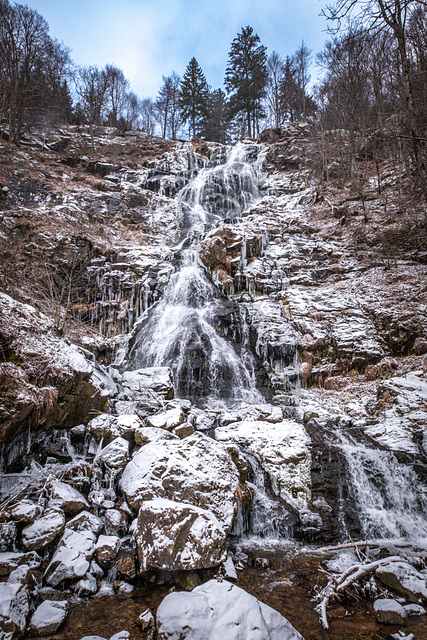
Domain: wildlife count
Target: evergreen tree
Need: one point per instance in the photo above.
(216, 123)
(246, 77)
(194, 96)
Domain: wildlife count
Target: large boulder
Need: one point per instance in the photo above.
(48, 617)
(173, 536)
(388, 611)
(197, 471)
(15, 599)
(283, 451)
(71, 559)
(67, 498)
(107, 427)
(220, 610)
(404, 579)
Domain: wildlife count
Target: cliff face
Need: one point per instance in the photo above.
(324, 284)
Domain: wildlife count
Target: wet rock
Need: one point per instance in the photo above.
(404, 579)
(115, 455)
(9, 561)
(123, 589)
(66, 498)
(197, 471)
(283, 451)
(106, 549)
(126, 564)
(48, 617)
(44, 530)
(87, 586)
(158, 379)
(388, 611)
(173, 536)
(107, 427)
(146, 620)
(220, 610)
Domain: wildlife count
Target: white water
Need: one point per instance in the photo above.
(390, 499)
(181, 330)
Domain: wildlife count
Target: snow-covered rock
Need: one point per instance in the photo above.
(11, 560)
(26, 511)
(107, 427)
(8, 535)
(43, 530)
(150, 434)
(220, 610)
(15, 597)
(67, 498)
(115, 454)
(146, 620)
(388, 611)
(404, 579)
(158, 379)
(71, 558)
(196, 471)
(107, 549)
(115, 522)
(166, 420)
(283, 451)
(48, 617)
(87, 586)
(85, 521)
(175, 536)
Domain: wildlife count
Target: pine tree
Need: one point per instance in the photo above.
(216, 123)
(246, 77)
(194, 96)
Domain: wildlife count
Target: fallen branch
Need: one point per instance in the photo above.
(339, 583)
(350, 545)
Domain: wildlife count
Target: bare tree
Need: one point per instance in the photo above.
(147, 112)
(302, 60)
(118, 87)
(275, 68)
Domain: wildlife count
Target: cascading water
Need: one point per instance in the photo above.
(389, 497)
(180, 330)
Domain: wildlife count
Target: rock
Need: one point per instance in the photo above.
(283, 451)
(167, 420)
(229, 568)
(146, 620)
(220, 610)
(8, 533)
(106, 549)
(115, 522)
(15, 602)
(107, 427)
(414, 610)
(404, 579)
(197, 471)
(88, 586)
(150, 434)
(123, 589)
(9, 561)
(43, 530)
(48, 617)
(85, 521)
(173, 536)
(71, 559)
(126, 564)
(388, 611)
(183, 430)
(115, 455)
(67, 498)
(25, 512)
(158, 379)
(122, 635)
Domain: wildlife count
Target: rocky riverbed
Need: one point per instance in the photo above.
(210, 367)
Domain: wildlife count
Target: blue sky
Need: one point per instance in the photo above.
(151, 38)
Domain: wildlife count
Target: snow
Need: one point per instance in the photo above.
(48, 617)
(220, 610)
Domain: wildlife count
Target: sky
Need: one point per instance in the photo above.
(149, 39)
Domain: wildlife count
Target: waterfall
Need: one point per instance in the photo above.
(180, 331)
(391, 500)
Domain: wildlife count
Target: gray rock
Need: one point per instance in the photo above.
(48, 617)
(15, 602)
(71, 559)
(85, 521)
(145, 435)
(115, 522)
(9, 561)
(220, 610)
(26, 511)
(8, 533)
(388, 611)
(107, 427)
(167, 420)
(88, 586)
(158, 379)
